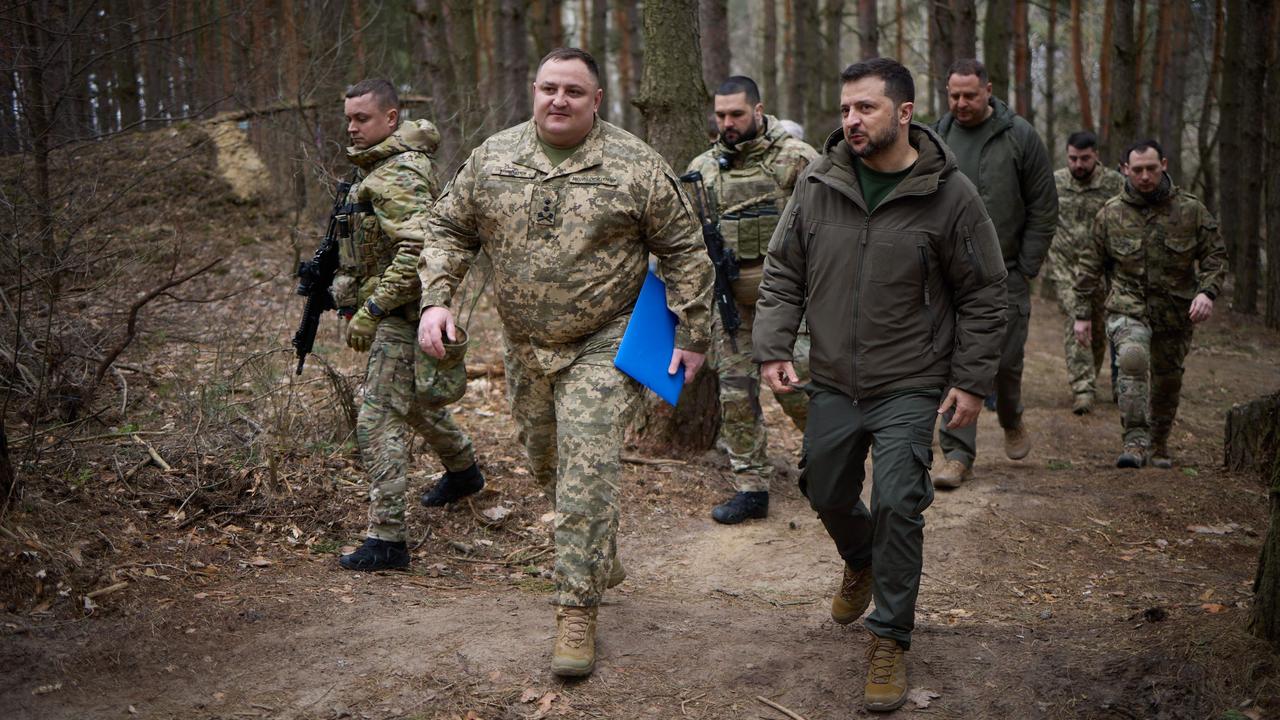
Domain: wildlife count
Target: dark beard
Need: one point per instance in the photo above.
(876, 143)
(751, 133)
(1083, 176)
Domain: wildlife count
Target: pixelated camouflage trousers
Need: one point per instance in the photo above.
(1083, 363)
(572, 424)
(743, 435)
(1150, 353)
(390, 409)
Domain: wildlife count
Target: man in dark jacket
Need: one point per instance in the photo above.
(887, 251)
(1002, 154)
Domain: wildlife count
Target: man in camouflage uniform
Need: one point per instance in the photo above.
(1083, 186)
(377, 288)
(750, 172)
(568, 207)
(1169, 263)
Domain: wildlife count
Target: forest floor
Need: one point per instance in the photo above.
(1054, 587)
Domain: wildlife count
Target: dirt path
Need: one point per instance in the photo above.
(1055, 587)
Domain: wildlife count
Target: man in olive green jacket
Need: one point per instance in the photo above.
(887, 251)
(1001, 153)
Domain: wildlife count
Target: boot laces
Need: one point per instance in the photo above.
(573, 630)
(882, 657)
(851, 578)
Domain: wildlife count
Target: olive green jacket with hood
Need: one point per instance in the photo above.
(1015, 180)
(910, 295)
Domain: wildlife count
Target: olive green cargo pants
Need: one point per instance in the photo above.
(898, 431)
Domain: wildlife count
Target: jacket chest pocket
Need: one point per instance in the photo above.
(1178, 239)
(898, 259)
(1126, 243)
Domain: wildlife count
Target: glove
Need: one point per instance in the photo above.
(361, 329)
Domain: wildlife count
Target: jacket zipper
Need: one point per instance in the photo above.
(974, 258)
(924, 280)
(857, 298)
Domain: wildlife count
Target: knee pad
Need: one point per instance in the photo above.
(1132, 360)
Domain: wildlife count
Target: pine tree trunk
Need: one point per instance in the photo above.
(1124, 125)
(513, 63)
(1231, 131)
(1205, 170)
(769, 54)
(629, 62)
(1077, 65)
(1252, 444)
(822, 103)
(1022, 61)
(1173, 99)
(900, 32)
(1251, 169)
(1104, 77)
(941, 26)
(964, 29)
(713, 19)
(868, 29)
(128, 95)
(802, 31)
(673, 100)
(548, 29)
(1272, 115)
(996, 36)
(1163, 56)
(437, 76)
(599, 49)
(1050, 83)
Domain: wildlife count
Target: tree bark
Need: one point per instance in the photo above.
(1050, 80)
(673, 100)
(713, 19)
(996, 36)
(964, 29)
(1251, 168)
(1077, 65)
(868, 29)
(769, 53)
(823, 111)
(548, 28)
(1162, 56)
(800, 82)
(1104, 76)
(1252, 445)
(1124, 125)
(1231, 120)
(128, 95)
(513, 62)
(1139, 52)
(1272, 115)
(599, 48)
(900, 31)
(1022, 61)
(629, 62)
(941, 27)
(1172, 105)
(1204, 144)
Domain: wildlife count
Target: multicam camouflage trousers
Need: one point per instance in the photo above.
(1083, 363)
(1150, 354)
(572, 423)
(389, 410)
(742, 432)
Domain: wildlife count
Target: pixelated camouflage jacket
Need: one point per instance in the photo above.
(398, 178)
(752, 187)
(1163, 253)
(1078, 204)
(569, 243)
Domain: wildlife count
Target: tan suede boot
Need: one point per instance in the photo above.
(1017, 443)
(886, 676)
(575, 651)
(951, 475)
(854, 596)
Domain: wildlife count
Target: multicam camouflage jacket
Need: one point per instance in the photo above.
(1078, 203)
(751, 183)
(396, 179)
(569, 243)
(1164, 253)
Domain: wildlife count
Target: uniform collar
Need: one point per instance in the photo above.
(588, 155)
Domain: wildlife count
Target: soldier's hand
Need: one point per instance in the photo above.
(966, 404)
(435, 325)
(360, 330)
(780, 376)
(1201, 308)
(1084, 332)
(692, 361)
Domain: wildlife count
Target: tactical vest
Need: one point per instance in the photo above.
(747, 198)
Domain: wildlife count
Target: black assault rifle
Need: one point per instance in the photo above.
(316, 275)
(726, 264)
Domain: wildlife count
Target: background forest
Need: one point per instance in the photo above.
(167, 482)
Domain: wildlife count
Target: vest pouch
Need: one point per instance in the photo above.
(746, 289)
(438, 383)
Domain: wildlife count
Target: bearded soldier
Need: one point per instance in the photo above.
(1168, 265)
(377, 288)
(569, 207)
(750, 172)
(1083, 186)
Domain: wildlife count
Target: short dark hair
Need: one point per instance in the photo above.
(898, 83)
(561, 54)
(1143, 146)
(1082, 140)
(381, 89)
(740, 84)
(969, 66)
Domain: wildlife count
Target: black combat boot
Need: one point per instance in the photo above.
(377, 554)
(453, 486)
(742, 506)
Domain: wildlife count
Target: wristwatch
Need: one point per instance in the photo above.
(377, 312)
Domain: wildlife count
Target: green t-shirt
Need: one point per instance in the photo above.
(967, 144)
(557, 155)
(877, 185)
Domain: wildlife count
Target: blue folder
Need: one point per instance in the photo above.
(650, 338)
